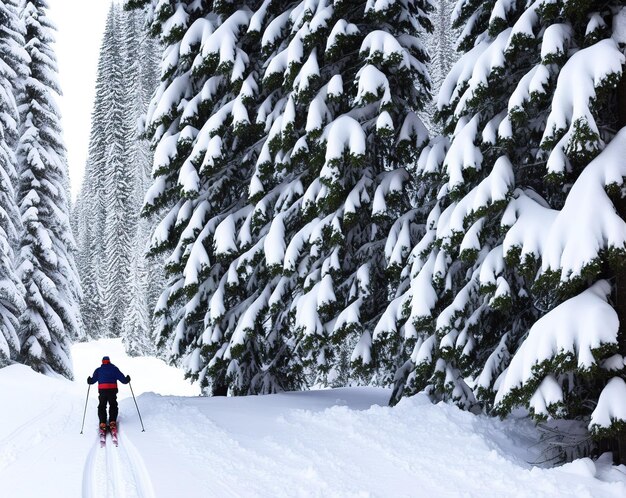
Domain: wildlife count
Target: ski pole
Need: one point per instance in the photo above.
(137, 406)
(85, 412)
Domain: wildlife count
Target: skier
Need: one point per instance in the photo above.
(107, 376)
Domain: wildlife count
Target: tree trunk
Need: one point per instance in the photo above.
(219, 390)
(620, 274)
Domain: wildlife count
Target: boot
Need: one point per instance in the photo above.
(103, 427)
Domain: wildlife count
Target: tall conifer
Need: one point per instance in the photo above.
(12, 66)
(268, 114)
(514, 296)
(46, 256)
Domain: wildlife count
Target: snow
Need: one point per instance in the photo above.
(556, 237)
(548, 393)
(336, 442)
(422, 289)
(341, 29)
(534, 82)
(373, 84)
(344, 133)
(178, 21)
(572, 104)
(274, 244)
(525, 25)
(391, 182)
(224, 39)
(309, 71)
(556, 39)
(335, 86)
(224, 238)
(611, 405)
(619, 26)
(576, 327)
(385, 45)
(486, 62)
(494, 188)
(463, 154)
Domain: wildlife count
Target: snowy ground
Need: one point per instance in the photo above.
(341, 442)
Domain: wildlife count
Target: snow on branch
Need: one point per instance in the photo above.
(561, 341)
(200, 29)
(611, 408)
(592, 68)
(459, 75)
(485, 64)
(222, 43)
(571, 241)
(463, 153)
(493, 190)
(383, 46)
(343, 133)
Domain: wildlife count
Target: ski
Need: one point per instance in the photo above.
(114, 434)
(103, 437)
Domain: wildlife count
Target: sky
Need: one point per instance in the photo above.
(78, 40)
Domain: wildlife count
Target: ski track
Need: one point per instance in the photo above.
(9, 447)
(116, 472)
(37, 430)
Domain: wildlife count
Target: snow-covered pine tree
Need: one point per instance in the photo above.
(12, 62)
(90, 208)
(119, 178)
(344, 81)
(141, 76)
(513, 283)
(230, 224)
(46, 261)
(441, 45)
(115, 277)
(200, 127)
(137, 325)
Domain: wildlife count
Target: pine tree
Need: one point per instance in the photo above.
(345, 81)
(12, 62)
(441, 47)
(46, 261)
(111, 247)
(90, 206)
(233, 123)
(119, 174)
(200, 129)
(141, 78)
(513, 283)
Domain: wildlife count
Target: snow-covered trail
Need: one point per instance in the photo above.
(42, 452)
(36, 427)
(332, 443)
(116, 472)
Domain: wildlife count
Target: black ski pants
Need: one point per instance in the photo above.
(107, 396)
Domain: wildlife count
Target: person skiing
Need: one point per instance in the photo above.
(107, 375)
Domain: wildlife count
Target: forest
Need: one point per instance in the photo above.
(285, 195)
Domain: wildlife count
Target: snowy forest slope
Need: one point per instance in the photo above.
(306, 229)
(339, 442)
(316, 235)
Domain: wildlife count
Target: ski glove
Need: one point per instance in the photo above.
(128, 378)
(89, 380)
